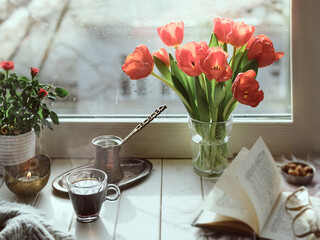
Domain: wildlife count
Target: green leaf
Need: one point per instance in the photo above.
(23, 79)
(2, 76)
(239, 59)
(51, 96)
(230, 109)
(177, 84)
(36, 128)
(61, 92)
(163, 69)
(213, 41)
(202, 103)
(253, 64)
(225, 47)
(54, 117)
(219, 94)
(35, 83)
(49, 125)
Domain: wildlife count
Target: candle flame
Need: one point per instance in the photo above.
(29, 175)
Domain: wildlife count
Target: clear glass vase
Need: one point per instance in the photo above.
(209, 146)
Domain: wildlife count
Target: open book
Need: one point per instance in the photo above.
(248, 198)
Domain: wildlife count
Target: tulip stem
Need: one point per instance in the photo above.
(204, 85)
(229, 104)
(233, 58)
(174, 89)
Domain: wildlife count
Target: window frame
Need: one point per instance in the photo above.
(169, 137)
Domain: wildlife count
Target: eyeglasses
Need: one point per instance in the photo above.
(305, 219)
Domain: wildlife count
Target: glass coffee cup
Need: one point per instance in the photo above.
(88, 188)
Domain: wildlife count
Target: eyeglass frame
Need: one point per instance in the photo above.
(301, 209)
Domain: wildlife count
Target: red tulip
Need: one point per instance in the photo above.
(172, 34)
(7, 65)
(42, 93)
(261, 48)
(139, 64)
(34, 71)
(163, 56)
(215, 65)
(235, 33)
(245, 89)
(222, 27)
(189, 55)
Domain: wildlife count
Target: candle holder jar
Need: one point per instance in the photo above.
(107, 156)
(28, 178)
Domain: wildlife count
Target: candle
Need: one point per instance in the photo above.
(28, 176)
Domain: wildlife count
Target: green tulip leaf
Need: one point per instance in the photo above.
(163, 69)
(219, 94)
(225, 47)
(239, 59)
(177, 84)
(230, 109)
(213, 41)
(253, 64)
(202, 102)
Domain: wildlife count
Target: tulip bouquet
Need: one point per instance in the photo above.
(21, 102)
(209, 83)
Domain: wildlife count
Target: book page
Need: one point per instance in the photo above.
(228, 197)
(261, 180)
(278, 225)
(233, 189)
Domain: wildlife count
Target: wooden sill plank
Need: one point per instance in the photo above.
(139, 213)
(58, 207)
(181, 200)
(103, 228)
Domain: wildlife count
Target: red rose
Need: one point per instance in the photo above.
(42, 93)
(34, 72)
(7, 65)
(245, 89)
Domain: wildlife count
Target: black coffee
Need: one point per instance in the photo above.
(87, 202)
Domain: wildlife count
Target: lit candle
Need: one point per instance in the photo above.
(28, 176)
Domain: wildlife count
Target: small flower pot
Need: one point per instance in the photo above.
(15, 149)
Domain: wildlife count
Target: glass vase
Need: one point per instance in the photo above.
(209, 146)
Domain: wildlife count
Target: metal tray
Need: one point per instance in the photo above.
(135, 169)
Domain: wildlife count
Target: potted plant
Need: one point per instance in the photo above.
(23, 113)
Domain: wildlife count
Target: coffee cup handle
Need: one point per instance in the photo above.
(114, 188)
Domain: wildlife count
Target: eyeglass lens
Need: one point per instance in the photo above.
(305, 222)
(298, 200)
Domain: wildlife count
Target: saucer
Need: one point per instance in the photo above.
(135, 169)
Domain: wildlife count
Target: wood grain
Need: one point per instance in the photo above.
(139, 213)
(181, 199)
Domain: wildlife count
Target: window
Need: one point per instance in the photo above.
(86, 42)
(167, 137)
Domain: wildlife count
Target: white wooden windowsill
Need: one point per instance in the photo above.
(162, 206)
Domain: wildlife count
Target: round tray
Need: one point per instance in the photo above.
(134, 169)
